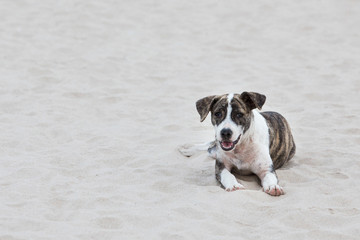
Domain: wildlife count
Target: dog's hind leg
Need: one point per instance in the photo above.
(189, 150)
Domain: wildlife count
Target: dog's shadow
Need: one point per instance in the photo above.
(251, 182)
(207, 177)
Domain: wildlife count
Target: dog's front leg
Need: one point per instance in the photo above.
(269, 180)
(226, 178)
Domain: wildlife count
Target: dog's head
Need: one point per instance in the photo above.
(230, 115)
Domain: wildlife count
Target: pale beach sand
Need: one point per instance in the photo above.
(96, 97)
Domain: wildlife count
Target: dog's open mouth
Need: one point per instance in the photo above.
(229, 145)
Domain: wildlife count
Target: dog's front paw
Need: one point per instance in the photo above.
(187, 150)
(274, 190)
(234, 187)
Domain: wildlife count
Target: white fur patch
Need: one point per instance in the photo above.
(258, 130)
(229, 181)
(189, 150)
(269, 180)
(270, 185)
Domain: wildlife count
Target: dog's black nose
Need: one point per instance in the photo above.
(226, 133)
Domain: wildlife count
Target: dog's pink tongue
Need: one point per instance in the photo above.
(227, 144)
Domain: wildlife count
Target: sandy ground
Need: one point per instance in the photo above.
(96, 96)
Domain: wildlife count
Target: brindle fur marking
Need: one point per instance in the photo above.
(219, 166)
(239, 106)
(282, 146)
(253, 100)
(204, 105)
(220, 106)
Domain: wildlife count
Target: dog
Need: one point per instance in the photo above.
(245, 139)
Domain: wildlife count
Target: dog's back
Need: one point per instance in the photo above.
(282, 145)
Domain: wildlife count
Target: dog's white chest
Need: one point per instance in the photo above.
(241, 157)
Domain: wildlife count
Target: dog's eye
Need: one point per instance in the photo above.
(218, 114)
(239, 115)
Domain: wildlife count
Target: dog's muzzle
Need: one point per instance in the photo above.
(229, 145)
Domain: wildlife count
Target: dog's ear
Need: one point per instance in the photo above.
(253, 99)
(204, 105)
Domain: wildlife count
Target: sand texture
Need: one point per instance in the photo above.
(96, 97)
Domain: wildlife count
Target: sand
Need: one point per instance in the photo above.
(96, 97)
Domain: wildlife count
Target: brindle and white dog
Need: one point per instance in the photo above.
(245, 139)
